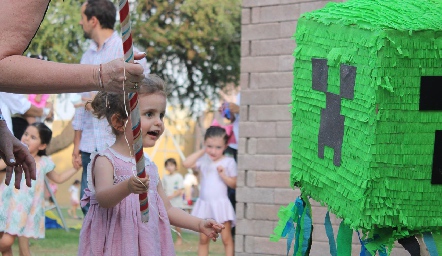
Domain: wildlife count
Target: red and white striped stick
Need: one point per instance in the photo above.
(134, 111)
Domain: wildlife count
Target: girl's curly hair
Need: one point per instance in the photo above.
(106, 104)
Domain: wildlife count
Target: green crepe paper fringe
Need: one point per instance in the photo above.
(284, 214)
(289, 216)
(383, 183)
(438, 240)
(403, 15)
(344, 239)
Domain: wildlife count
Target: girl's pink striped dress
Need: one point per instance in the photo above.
(119, 230)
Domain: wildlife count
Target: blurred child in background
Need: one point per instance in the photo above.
(173, 187)
(217, 172)
(40, 101)
(22, 211)
(190, 187)
(74, 191)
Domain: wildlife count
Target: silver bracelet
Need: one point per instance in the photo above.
(2, 118)
(100, 78)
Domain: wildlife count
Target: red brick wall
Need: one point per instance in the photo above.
(265, 128)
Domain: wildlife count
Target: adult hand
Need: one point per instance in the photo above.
(210, 228)
(17, 157)
(76, 160)
(115, 72)
(233, 108)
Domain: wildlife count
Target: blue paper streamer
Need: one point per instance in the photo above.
(288, 227)
(431, 245)
(291, 235)
(383, 251)
(307, 230)
(330, 235)
(364, 251)
(299, 204)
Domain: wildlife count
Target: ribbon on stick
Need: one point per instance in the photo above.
(134, 111)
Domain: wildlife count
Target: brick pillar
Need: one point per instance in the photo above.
(265, 128)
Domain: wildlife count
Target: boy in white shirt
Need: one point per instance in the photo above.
(174, 187)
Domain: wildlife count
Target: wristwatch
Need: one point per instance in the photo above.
(2, 118)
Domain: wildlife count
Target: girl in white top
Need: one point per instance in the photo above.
(217, 172)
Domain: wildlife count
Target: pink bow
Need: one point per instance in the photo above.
(88, 197)
(229, 131)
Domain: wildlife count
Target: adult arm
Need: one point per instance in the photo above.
(62, 141)
(19, 104)
(19, 21)
(34, 111)
(77, 126)
(76, 158)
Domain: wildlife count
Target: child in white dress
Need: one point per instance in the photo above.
(217, 172)
(74, 190)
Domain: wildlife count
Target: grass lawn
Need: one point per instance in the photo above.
(62, 243)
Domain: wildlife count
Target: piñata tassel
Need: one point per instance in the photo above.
(299, 204)
(330, 234)
(411, 245)
(285, 226)
(307, 227)
(430, 243)
(295, 222)
(285, 219)
(438, 242)
(364, 251)
(345, 235)
(303, 227)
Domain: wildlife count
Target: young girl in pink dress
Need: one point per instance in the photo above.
(113, 223)
(216, 173)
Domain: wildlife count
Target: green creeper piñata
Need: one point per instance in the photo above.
(366, 115)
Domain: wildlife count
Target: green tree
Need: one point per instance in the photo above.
(59, 37)
(193, 44)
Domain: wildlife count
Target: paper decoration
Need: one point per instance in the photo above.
(411, 245)
(379, 180)
(134, 109)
